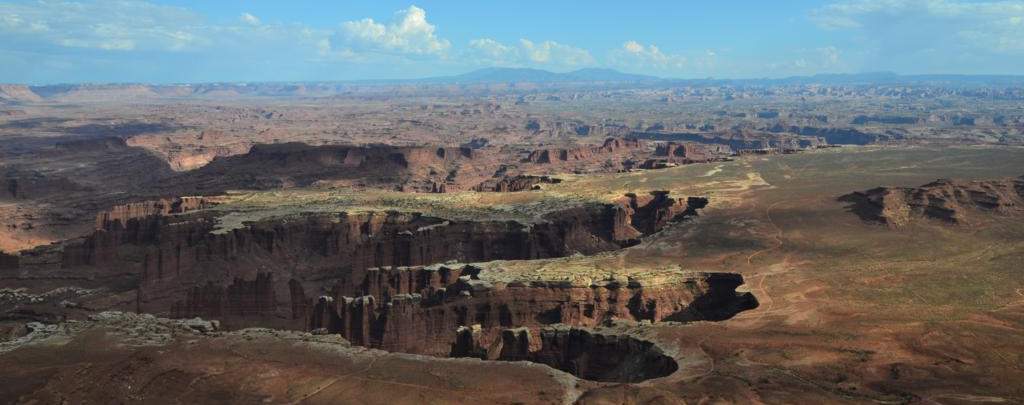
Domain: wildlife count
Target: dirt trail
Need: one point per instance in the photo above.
(763, 294)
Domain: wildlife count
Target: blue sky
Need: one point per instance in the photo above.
(54, 41)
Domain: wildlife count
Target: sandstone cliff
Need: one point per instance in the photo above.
(372, 277)
(441, 310)
(611, 146)
(412, 168)
(272, 270)
(18, 93)
(515, 183)
(950, 201)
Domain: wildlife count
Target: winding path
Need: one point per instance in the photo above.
(777, 237)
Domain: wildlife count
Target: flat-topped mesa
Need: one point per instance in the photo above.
(409, 168)
(269, 270)
(652, 212)
(515, 183)
(690, 152)
(611, 146)
(950, 201)
(122, 214)
(820, 136)
(18, 93)
(427, 310)
(300, 154)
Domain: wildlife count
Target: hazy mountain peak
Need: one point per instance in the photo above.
(510, 74)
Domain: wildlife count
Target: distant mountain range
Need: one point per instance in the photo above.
(477, 80)
(593, 75)
(510, 75)
(890, 78)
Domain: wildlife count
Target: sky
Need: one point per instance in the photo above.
(183, 41)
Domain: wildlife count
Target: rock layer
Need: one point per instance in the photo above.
(440, 310)
(949, 201)
(272, 270)
(367, 277)
(515, 183)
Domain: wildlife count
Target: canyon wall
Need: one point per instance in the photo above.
(271, 271)
(515, 183)
(410, 168)
(425, 309)
(610, 146)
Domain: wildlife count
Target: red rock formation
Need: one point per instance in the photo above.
(412, 168)
(515, 183)
(949, 201)
(516, 344)
(602, 356)
(414, 310)
(121, 214)
(271, 271)
(652, 212)
(688, 152)
(18, 93)
(583, 153)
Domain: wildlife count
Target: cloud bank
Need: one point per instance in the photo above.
(125, 40)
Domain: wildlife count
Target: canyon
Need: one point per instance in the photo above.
(540, 243)
(377, 278)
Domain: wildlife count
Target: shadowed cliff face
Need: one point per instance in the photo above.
(268, 166)
(599, 355)
(515, 183)
(371, 277)
(452, 311)
(602, 356)
(272, 270)
(420, 309)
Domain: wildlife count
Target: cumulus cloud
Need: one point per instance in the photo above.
(137, 25)
(551, 52)
(636, 56)
(486, 51)
(411, 33)
(104, 24)
(901, 26)
(249, 19)
(650, 56)
(491, 52)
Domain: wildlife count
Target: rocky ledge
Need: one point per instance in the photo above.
(950, 201)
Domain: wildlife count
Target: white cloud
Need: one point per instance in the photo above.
(636, 56)
(554, 53)
(902, 26)
(647, 56)
(487, 51)
(806, 61)
(103, 24)
(249, 19)
(490, 52)
(410, 34)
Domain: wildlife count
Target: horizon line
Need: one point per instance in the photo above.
(457, 75)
